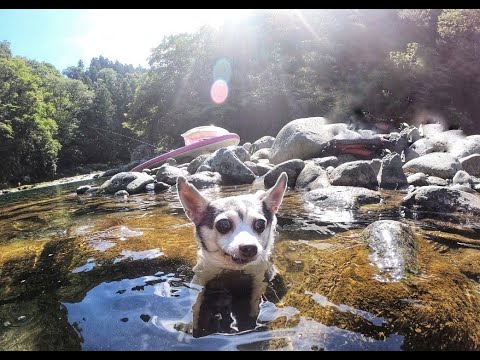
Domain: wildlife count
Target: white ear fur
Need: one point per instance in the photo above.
(192, 201)
(273, 197)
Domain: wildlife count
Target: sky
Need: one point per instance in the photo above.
(62, 37)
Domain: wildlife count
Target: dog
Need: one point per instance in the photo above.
(235, 237)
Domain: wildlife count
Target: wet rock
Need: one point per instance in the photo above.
(465, 147)
(394, 249)
(205, 179)
(356, 173)
(442, 165)
(261, 154)
(442, 199)
(291, 167)
(306, 138)
(93, 190)
(471, 164)
(169, 174)
(346, 197)
(83, 189)
(326, 161)
(418, 179)
(157, 187)
(263, 143)
(232, 169)
(309, 174)
(195, 163)
(391, 174)
(133, 182)
(121, 193)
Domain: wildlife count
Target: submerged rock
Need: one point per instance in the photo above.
(394, 249)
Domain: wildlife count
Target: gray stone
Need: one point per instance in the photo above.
(435, 164)
(461, 187)
(205, 179)
(468, 146)
(292, 167)
(83, 189)
(263, 143)
(394, 249)
(147, 171)
(262, 169)
(122, 180)
(440, 142)
(203, 167)
(306, 138)
(169, 174)
(326, 161)
(247, 146)
(261, 154)
(309, 174)
(171, 161)
(356, 173)
(241, 153)
(195, 163)
(418, 179)
(252, 166)
(346, 197)
(376, 164)
(435, 180)
(435, 199)
(411, 133)
(429, 130)
(462, 178)
(471, 164)
(93, 190)
(157, 187)
(232, 169)
(121, 193)
(391, 174)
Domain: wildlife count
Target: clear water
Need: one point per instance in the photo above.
(106, 273)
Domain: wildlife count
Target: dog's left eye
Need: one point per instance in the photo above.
(259, 225)
(223, 226)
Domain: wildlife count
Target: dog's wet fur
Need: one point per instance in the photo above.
(236, 236)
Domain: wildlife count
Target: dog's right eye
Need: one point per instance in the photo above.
(223, 226)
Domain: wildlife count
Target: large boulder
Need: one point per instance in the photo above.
(306, 138)
(394, 249)
(356, 173)
(133, 182)
(437, 199)
(442, 165)
(241, 153)
(292, 167)
(233, 170)
(391, 174)
(438, 142)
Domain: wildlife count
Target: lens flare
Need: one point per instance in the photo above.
(219, 91)
(222, 70)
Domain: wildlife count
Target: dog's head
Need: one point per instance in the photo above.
(237, 231)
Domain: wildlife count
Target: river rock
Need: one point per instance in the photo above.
(356, 173)
(121, 193)
(263, 143)
(464, 147)
(195, 163)
(247, 146)
(442, 199)
(391, 174)
(262, 168)
(122, 181)
(157, 186)
(232, 169)
(83, 189)
(309, 174)
(442, 165)
(418, 179)
(326, 161)
(394, 249)
(462, 178)
(241, 153)
(205, 179)
(306, 138)
(471, 164)
(346, 197)
(292, 167)
(169, 174)
(261, 154)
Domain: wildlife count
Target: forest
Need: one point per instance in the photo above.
(368, 65)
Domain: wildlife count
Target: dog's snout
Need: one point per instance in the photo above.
(248, 250)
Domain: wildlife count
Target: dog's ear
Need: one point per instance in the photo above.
(273, 197)
(192, 201)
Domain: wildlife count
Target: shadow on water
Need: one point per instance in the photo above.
(106, 273)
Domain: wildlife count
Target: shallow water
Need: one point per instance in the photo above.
(106, 273)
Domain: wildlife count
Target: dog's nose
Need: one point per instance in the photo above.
(248, 250)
